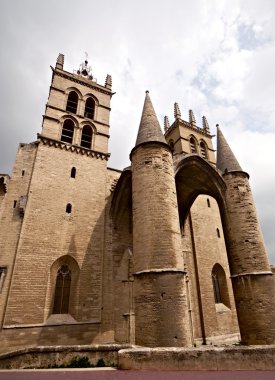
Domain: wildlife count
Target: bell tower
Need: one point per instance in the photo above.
(186, 137)
(55, 251)
(78, 110)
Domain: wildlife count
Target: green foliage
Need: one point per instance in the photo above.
(80, 362)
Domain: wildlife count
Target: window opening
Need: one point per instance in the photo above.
(89, 108)
(220, 285)
(72, 102)
(62, 290)
(68, 208)
(67, 131)
(3, 272)
(208, 202)
(14, 204)
(172, 145)
(203, 150)
(218, 233)
(216, 287)
(23, 173)
(193, 145)
(73, 172)
(86, 137)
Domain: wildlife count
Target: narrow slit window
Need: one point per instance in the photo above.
(14, 204)
(218, 233)
(23, 173)
(89, 108)
(86, 137)
(69, 208)
(73, 172)
(208, 203)
(72, 102)
(67, 131)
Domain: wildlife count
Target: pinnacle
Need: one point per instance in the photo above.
(226, 161)
(149, 128)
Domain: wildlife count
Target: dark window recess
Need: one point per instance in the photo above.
(218, 233)
(68, 208)
(216, 288)
(73, 172)
(67, 131)
(23, 173)
(72, 102)
(208, 202)
(89, 108)
(14, 204)
(172, 145)
(3, 272)
(62, 290)
(86, 137)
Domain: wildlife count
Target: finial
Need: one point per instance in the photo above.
(147, 92)
(192, 119)
(108, 82)
(217, 125)
(177, 113)
(166, 123)
(84, 69)
(205, 125)
(60, 61)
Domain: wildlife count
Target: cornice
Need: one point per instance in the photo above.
(75, 79)
(72, 148)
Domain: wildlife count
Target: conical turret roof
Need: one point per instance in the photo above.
(226, 161)
(149, 128)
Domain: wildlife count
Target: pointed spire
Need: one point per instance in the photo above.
(60, 61)
(205, 125)
(177, 113)
(149, 128)
(192, 119)
(226, 161)
(108, 82)
(166, 123)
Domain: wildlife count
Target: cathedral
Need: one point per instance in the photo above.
(166, 253)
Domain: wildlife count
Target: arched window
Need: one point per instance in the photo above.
(203, 150)
(193, 145)
(86, 137)
(72, 102)
(67, 131)
(89, 108)
(62, 290)
(73, 172)
(220, 285)
(68, 208)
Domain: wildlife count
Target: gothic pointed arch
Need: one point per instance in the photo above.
(220, 289)
(193, 142)
(64, 274)
(195, 176)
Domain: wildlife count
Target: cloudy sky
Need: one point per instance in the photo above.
(216, 57)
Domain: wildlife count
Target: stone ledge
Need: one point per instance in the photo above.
(204, 358)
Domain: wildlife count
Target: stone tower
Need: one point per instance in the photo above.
(159, 287)
(250, 270)
(53, 240)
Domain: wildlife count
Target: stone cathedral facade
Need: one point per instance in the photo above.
(167, 252)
